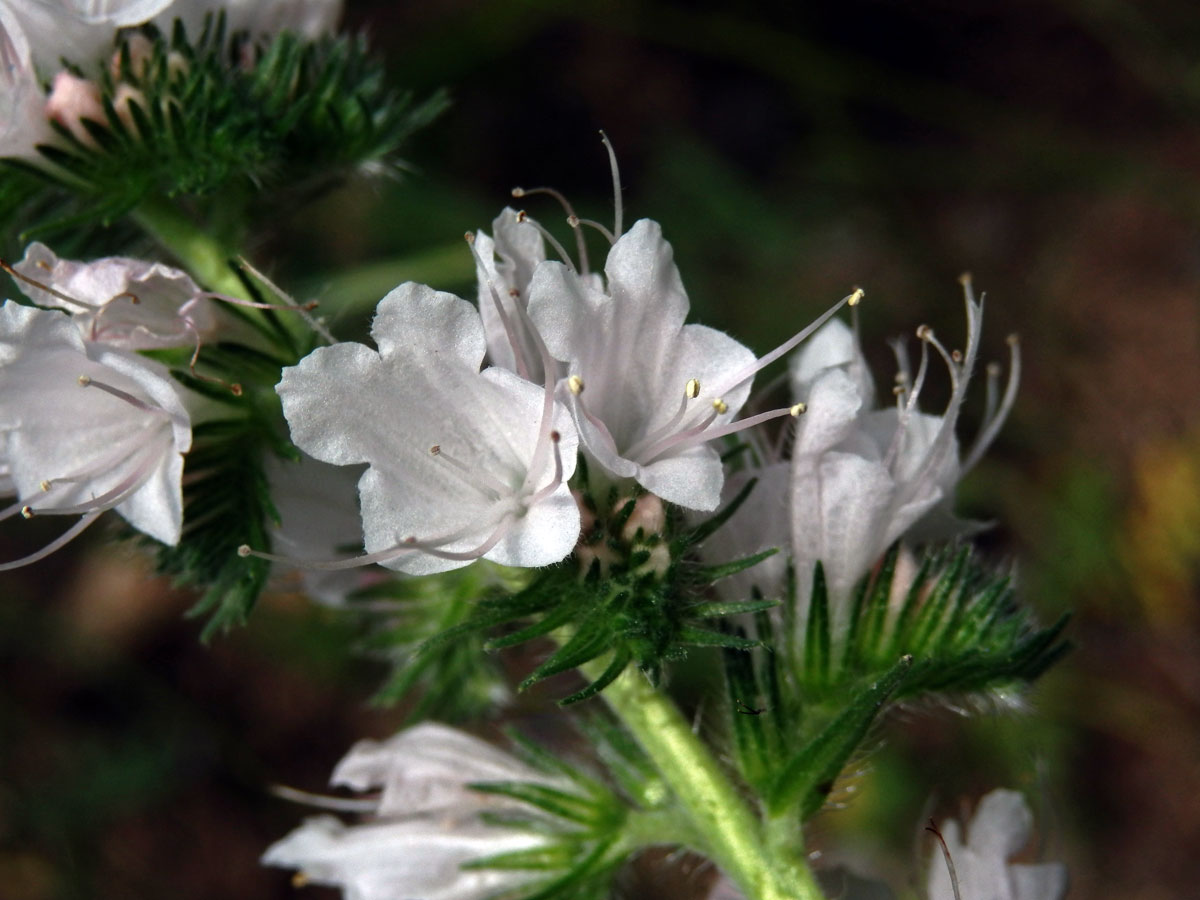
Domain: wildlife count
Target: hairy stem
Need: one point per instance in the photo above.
(203, 255)
(734, 836)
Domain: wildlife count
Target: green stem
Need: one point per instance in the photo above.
(204, 256)
(734, 836)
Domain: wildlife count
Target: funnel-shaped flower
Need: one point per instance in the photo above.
(23, 122)
(119, 301)
(424, 826)
(647, 390)
(462, 463)
(87, 427)
(862, 478)
(505, 265)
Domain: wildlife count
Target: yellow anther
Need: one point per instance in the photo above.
(84, 380)
(575, 385)
(691, 390)
(44, 485)
(299, 880)
(522, 216)
(720, 406)
(42, 264)
(856, 297)
(26, 512)
(798, 409)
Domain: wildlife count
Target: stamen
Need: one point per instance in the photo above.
(575, 385)
(751, 370)
(337, 804)
(691, 391)
(112, 497)
(53, 292)
(557, 480)
(477, 477)
(61, 541)
(702, 434)
(304, 310)
(87, 381)
(572, 219)
(994, 421)
(510, 332)
(932, 829)
(592, 223)
(550, 239)
(618, 208)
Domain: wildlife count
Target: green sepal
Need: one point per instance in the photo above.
(807, 778)
(711, 574)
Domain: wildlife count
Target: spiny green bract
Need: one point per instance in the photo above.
(623, 598)
(225, 121)
(799, 713)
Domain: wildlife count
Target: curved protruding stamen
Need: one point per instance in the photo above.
(556, 481)
(305, 310)
(618, 204)
(53, 292)
(995, 421)
(691, 391)
(911, 393)
(87, 381)
(702, 434)
(475, 476)
(61, 541)
(510, 332)
(336, 804)
(107, 500)
(572, 219)
(592, 223)
(575, 386)
(550, 239)
(745, 374)
(408, 545)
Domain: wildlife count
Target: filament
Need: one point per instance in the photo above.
(509, 331)
(572, 219)
(996, 421)
(618, 209)
(550, 239)
(303, 309)
(61, 541)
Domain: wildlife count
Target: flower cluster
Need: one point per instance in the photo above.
(34, 33)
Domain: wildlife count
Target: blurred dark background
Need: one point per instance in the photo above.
(790, 152)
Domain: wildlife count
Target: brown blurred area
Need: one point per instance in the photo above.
(790, 152)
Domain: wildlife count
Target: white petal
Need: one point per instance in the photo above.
(427, 768)
(1046, 881)
(1001, 825)
(398, 860)
(834, 403)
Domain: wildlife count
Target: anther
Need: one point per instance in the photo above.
(469, 237)
(798, 409)
(956, 355)
(573, 221)
(994, 369)
(575, 385)
(299, 880)
(1013, 340)
(518, 192)
(44, 485)
(522, 216)
(84, 380)
(924, 332)
(720, 406)
(555, 436)
(856, 297)
(435, 449)
(243, 550)
(691, 390)
(43, 265)
(26, 512)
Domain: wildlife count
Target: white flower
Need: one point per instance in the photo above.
(999, 829)
(648, 392)
(119, 301)
(88, 428)
(462, 463)
(424, 827)
(862, 478)
(23, 121)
